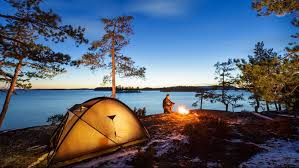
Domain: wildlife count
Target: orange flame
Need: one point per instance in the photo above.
(183, 110)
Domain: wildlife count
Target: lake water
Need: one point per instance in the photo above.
(31, 108)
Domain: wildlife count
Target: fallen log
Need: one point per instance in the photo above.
(262, 116)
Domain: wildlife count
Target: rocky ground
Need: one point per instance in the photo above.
(203, 138)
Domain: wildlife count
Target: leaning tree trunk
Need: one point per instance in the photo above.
(10, 91)
(113, 69)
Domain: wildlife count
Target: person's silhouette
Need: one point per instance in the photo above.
(167, 104)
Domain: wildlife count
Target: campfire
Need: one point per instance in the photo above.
(183, 110)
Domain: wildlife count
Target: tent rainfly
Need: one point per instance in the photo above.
(93, 128)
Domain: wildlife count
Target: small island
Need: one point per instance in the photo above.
(120, 89)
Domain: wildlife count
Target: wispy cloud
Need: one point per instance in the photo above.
(160, 7)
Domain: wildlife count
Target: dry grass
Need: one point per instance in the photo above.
(207, 137)
(210, 140)
(144, 159)
(209, 134)
(259, 132)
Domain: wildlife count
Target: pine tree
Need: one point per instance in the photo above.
(202, 94)
(22, 56)
(226, 81)
(117, 31)
(270, 77)
(280, 8)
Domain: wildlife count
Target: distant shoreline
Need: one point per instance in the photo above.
(161, 89)
(61, 89)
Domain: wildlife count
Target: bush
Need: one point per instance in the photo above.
(283, 128)
(260, 132)
(255, 132)
(55, 119)
(207, 137)
(140, 112)
(144, 159)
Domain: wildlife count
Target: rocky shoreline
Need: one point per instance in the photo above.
(203, 138)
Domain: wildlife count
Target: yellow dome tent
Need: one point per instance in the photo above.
(95, 127)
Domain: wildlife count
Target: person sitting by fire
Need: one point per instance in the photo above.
(167, 104)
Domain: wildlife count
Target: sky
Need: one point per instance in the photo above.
(178, 41)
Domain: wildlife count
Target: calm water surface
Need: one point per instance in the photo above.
(31, 108)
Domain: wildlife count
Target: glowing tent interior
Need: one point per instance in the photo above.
(95, 127)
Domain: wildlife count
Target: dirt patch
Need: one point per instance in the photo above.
(19, 148)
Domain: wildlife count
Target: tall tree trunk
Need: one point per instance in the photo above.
(267, 105)
(226, 107)
(10, 91)
(256, 108)
(222, 94)
(113, 69)
(223, 85)
(201, 102)
(275, 103)
(279, 106)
